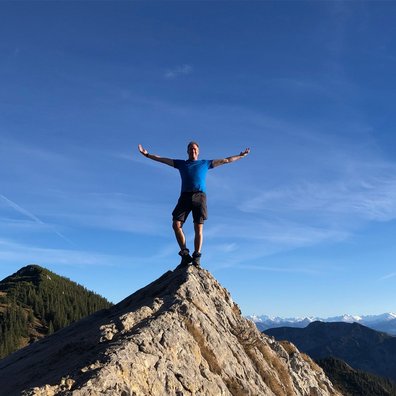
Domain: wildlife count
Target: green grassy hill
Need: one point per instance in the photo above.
(35, 302)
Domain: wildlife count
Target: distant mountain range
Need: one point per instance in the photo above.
(384, 322)
(359, 346)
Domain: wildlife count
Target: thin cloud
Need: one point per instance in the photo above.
(21, 253)
(31, 216)
(388, 276)
(253, 256)
(178, 71)
(111, 212)
(303, 270)
(276, 232)
(15, 252)
(365, 195)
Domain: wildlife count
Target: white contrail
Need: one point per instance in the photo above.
(21, 210)
(31, 216)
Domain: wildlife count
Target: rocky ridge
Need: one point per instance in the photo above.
(180, 335)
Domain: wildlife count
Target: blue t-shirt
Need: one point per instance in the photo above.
(193, 174)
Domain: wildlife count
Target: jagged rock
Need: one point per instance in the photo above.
(181, 335)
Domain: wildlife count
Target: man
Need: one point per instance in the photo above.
(193, 195)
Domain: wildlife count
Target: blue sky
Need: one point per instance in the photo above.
(304, 225)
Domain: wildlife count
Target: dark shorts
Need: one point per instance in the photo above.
(195, 202)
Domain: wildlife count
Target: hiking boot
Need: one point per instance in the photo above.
(196, 259)
(185, 255)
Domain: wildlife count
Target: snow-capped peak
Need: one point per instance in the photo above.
(345, 318)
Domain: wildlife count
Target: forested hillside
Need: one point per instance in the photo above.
(356, 382)
(35, 302)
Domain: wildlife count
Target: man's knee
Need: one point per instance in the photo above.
(177, 225)
(198, 228)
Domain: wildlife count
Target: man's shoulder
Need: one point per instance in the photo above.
(208, 163)
(177, 163)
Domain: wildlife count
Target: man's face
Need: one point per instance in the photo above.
(193, 152)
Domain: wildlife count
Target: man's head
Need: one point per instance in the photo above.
(193, 151)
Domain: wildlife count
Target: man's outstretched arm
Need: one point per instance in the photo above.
(233, 158)
(166, 161)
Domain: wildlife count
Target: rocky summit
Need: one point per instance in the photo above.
(180, 335)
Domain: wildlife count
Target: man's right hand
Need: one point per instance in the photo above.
(154, 157)
(142, 150)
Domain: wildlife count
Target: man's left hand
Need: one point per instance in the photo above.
(245, 153)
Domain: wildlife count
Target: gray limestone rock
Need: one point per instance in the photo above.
(181, 335)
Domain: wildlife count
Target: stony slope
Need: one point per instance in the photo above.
(180, 335)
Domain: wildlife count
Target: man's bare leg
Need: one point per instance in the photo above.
(179, 234)
(181, 240)
(198, 228)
